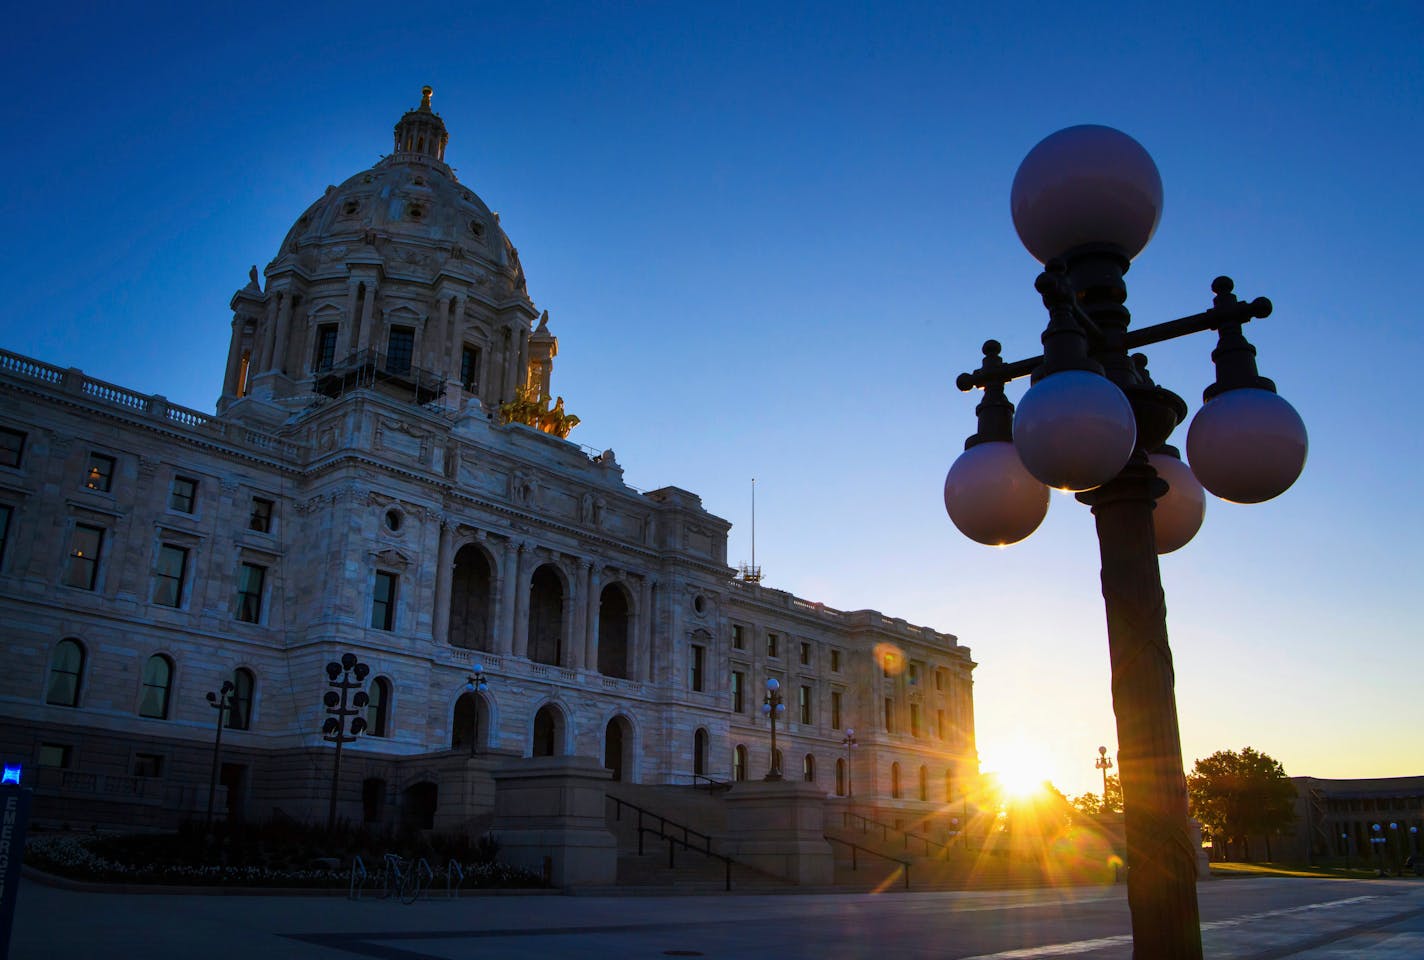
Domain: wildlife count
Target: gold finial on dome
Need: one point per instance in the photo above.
(425, 93)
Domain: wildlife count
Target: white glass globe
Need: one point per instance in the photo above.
(991, 498)
(1074, 430)
(1247, 445)
(1086, 184)
(1178, 514)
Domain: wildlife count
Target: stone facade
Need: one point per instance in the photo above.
(365, 488)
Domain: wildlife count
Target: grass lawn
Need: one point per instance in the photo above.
(1230, 870)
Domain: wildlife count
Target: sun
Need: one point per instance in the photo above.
(1022, 772)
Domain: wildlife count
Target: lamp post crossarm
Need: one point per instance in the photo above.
(1234, 312)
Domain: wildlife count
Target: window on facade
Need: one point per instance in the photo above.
(470, 369)
(836, 709)
(147, 765)
(808, 768)
(939, 724)
(383, 601)
(6, 512)
(325, 357)
(53, 755)
(840, 778)
(250, 579)
(260, 519)
(739, 691)
(12, 447)
(914, 677)
(99, 475)
(914, 719)
(699, 752)
(239, 704)
(400, 348)
(66, 669)
(378, 708)
(939, 679)
(803, 703)
(739, 638)
(84, 548)
(895, 780)
(183, 495)
(739, 763)
(889, 715)
(696, 666)
(772, 642)
(157, 684)
(924, 783)
(805, 652)
(168, 576)
(835, 661)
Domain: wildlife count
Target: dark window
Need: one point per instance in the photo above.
(695, 667)
(924, 783)
(239, 711)
(895, 780)
(914, 678)
(184, 494)
(808, 768)
(378, 707)
(948, 786)
(12, 447)
(803, 702)
(805, 652)
(383, 601)
(66, 669)
(84, 549)
(914, 719)
(100, 474)
(548, 732)
(939, 679)
(470, 368)
(147, 765)
(325, 347)
(835, 709)
(840, 778)
(157, 684)
(250, 578)
(889, 715)
(168, 576)
(835, 661)
(771, 645)
(699, 752)
(739, 691)
(739, 640)
(739, 763)
(5, 514)
(53, 755)
(261, 517)
(400, 349)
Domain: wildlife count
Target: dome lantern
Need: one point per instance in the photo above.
(421, 131)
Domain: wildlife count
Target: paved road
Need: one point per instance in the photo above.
(1252, 919)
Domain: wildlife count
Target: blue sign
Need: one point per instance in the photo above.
(14, 815)
(11, 775)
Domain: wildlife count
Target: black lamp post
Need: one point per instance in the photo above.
(1414, 839)
(772, 707)
(1346, 838)
(1394, 848)
(222, 703)
(1103, 763)
(849, 742)
(1378, 840)
(344, 677)
(474, 686)
(1086, 201)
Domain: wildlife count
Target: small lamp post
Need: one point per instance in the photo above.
(344, 677)
(849, 742)
(1377, 840)
(222, 703)
(1394, 848)
(1103, 763)
(474, 686)
(1345, 838)
(1414, 839)
(772, 707)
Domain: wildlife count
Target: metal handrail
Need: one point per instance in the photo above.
(885, 829)
(857, 848)
(358, 869)
(661, 832)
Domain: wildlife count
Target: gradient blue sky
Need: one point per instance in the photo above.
(768, 238)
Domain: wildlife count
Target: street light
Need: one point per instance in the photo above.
(475, 685)
(1414, 839)
(1104, 764)
(1394, 847)
(1086, 201)
(772, 707)
(335, 728)
(849, 742)
(1346, 838)
(222, 703)
(1378, 841)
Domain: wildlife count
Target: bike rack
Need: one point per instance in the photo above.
(453, 870)
(358, 871)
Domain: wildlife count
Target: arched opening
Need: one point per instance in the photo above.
(739, 763)
(840, 778)
(546, 616)
(378, 707)
(895, 780)
(618, 748)
(418, 805)
(469, 727)
(548, 732)
(157, 685)
(66, 670)
(471, 599)
(613, 631)
(699, 752)
(239, 715)
(924, 783)
(373, 799)
(808, 768)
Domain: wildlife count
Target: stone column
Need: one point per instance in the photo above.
(508, 579)
(262, 348)
(444, 573)
(523, 368)
(346, 332)
(642, 640)
(578, 647)
(278, 360)
(439, 337)
(595, 593)
(521, 600)
(368, 310)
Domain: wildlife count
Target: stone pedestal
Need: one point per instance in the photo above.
(467, 794)
(549, 818)
(779, 826)
(1194, 833)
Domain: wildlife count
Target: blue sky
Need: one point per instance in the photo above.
(769, 237)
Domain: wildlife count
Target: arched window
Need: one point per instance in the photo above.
(471, 590)
(157, 684)
(948, 785)
(924, 783)
(548, 731)
(470, 725)
(808, 768)
(895, 780)
(613, 631)
(699, 752)
(617, 747)
(840, 778)
(546, 616)
(66, 670)
(239, 712)
(378, 708)
(739, 763)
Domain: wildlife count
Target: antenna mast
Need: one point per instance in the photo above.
(751, 573)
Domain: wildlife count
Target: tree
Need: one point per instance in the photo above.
(1091, 804)
(1235, 795)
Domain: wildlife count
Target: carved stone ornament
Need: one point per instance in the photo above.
(390, 557)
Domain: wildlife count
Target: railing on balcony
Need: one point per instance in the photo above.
(366, 369)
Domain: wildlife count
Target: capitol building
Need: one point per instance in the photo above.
(389, 474)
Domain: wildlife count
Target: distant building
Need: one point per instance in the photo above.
(387, 475)
(1335, 818)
